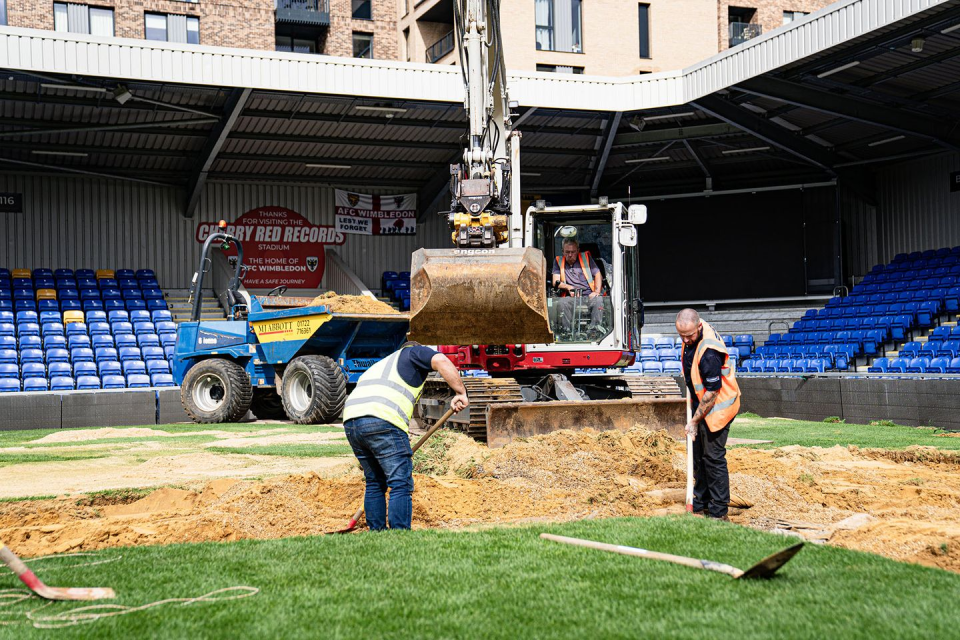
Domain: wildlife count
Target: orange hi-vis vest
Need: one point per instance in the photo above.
(584, 264)
(728, 398)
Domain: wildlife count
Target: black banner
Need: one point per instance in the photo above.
(11, 202)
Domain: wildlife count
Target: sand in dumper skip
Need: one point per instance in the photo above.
(912, 497)
(352, 304)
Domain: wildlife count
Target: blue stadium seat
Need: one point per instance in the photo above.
(99, 329)
(949, 349)
(138, 381)
(9, 371)
(88, 382)
(34, 383)
(6, 317)
(61, 383)
(27, 316)
(162, 380)
(744, 342)
(81, 354)
(929, 350)
(125, 273)
(8, 329)
(127, 283)
(648, 355)
(78, 340)
(133, 366)
(918, 365)
(672, 367)
(140, 328)
(148, 340)
(168, 340)
(84, 368)
(114, 382)
(146, 273)
(153, 353)
(120, 328)
(910, 350)
(939, 365)
(647, 343)
(8, 342)
(784, 366)
(54, 342)
(880, 365)
(9, 356)
(163, 315)
(57, 355)
(899, 365)
(89, 294)
(156, 294)
(100, 342)
(87, 283)
(109, 367)
(940, 334)
(108, 283)
(118, 315)
(114, 305)
(954, 366)
(70, 305)
(84, 273)
(6, 305)
(32, 369)
(9, 385)
(666, 353)
(797, 366)
(652, 367)
(129, 353)
(167, 326)
(27, 342)
(157, 366)
(169, 351)
(126, 294)
(72, 329)
(31, 356)
(133, 305)
(125, 340)
(139, 315)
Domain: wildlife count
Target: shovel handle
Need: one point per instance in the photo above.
(15, 564)
(689, 497)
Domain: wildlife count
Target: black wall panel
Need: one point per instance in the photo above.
(103, 409)
(29, 411)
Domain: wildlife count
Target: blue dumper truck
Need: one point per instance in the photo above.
(273, 357)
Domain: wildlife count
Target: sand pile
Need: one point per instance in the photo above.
(352, 304)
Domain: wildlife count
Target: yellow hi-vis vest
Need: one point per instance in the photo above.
(728, 398)
(382, 393)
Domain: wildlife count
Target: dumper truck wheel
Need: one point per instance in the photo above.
(216, 390)
(267, 405)
(314, 390)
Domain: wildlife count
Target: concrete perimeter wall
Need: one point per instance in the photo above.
(910, 402)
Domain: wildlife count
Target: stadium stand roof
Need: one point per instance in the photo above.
(856, 84)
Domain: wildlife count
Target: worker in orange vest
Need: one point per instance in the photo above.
(577, 278)
(715, 398)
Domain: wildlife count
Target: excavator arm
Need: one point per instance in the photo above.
(478, 292)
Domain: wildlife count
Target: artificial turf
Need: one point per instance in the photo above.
(881, 435)
(506, 583)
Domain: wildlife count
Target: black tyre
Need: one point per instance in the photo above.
(216, 390)
(314, 390)
(267, 405)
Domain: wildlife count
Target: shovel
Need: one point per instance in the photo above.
(439, 423)
(689, 498)
(763, 569)
(34, 583)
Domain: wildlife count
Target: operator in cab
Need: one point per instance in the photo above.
(577, 279)
(376, 420)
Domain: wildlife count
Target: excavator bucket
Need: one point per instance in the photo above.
(509, 420)
(479, 296)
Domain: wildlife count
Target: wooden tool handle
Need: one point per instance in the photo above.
(689, 498)
(644, 553)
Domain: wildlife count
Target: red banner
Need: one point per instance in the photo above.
(280, 247)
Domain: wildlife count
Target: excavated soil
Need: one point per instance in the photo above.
(901, 504)
(352, 304)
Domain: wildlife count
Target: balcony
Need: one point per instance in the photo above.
(308, 12)
(440, 48)
(740, 32)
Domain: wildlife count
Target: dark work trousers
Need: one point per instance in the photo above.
(711, 491)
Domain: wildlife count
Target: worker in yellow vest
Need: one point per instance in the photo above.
(715, 397)
(376, 420)
(577, 278)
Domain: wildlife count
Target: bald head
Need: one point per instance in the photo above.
(688, 326)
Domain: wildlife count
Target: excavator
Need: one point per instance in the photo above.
(489, 300)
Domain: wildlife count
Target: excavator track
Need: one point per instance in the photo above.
(650, 387)
(482, 392)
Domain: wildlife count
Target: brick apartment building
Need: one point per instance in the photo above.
(360, 28)
(602, 37)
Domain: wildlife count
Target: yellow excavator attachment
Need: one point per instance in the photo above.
(479, 296)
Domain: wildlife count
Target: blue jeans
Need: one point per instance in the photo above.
(386, 457)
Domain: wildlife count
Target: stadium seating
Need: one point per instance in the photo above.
(62, 330)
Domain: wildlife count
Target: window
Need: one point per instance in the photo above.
(296, 45)
(362, 9)
(559, 25)
(80, 18)
(362, 45)
(790, 16)
(171, 28)
(644, 31)
(556, 68)
(3, 12)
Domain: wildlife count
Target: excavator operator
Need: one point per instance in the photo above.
(576, 276)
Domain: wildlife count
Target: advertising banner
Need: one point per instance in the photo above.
(367, 214)
(280, 247)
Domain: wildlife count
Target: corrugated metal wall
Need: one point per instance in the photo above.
(917, 210)
(860, 234)
(101, 223)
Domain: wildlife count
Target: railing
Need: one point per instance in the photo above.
(303, 11)
(340, 277)
(740, 32)
(440, 48)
